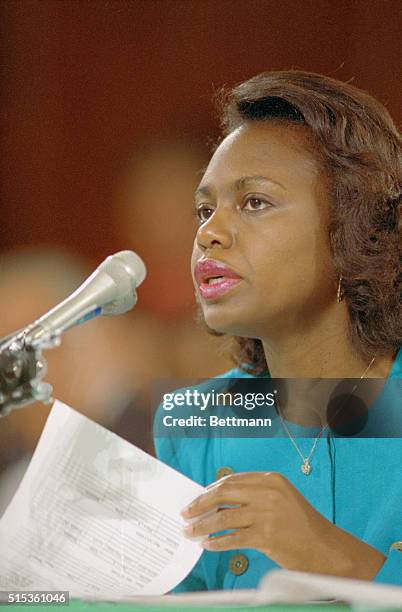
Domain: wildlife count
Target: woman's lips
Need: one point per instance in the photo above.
(209, 292)
(214, 278)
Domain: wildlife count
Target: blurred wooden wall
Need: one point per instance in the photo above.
(83, 80)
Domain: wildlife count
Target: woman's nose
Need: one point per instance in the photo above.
(216, 231)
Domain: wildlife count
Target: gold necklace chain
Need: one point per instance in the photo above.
(306, 465)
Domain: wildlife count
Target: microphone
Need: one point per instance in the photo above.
(110, 290)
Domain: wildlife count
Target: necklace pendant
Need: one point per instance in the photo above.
(306, 467)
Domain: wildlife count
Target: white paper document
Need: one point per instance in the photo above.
(282, 586)
(94, 514)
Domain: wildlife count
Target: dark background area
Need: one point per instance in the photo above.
(83, 81)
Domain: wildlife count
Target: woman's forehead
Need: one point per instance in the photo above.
(274, 149)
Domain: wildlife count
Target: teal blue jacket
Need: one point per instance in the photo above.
(356, 483)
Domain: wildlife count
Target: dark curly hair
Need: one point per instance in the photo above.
(360, 150)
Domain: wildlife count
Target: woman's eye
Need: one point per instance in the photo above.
(203, 213)
(254, 203)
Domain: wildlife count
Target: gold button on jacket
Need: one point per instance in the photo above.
(238, 564)
(223, 471)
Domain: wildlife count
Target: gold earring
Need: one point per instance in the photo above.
(340, 293)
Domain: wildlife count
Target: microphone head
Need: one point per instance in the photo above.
(127, 270)
(132, 264)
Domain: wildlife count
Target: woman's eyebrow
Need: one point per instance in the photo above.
(244, 181)
(202, 191)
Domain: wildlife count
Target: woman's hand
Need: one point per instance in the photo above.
(270, 515)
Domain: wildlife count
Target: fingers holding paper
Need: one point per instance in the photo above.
(265, 512)
(248, 504)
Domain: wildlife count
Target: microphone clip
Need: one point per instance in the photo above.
(22, 368)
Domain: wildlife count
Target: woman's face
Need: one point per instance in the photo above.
(264, 210)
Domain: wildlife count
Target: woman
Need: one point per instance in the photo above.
(298, 225)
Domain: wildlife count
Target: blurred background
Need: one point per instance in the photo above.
(106, 123)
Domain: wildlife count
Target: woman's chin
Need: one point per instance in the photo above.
(226, 323)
